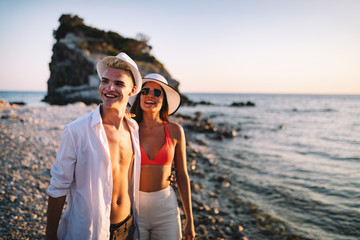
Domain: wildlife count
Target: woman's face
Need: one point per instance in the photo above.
(151, 98)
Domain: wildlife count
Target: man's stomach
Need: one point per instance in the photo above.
(120, 206)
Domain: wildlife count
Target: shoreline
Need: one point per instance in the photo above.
(29, 139)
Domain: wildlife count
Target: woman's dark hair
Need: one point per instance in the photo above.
(164, 111)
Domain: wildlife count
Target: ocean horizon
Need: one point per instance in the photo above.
(36, 97)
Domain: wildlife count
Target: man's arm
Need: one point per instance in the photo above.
(55, 207)
(62, 175)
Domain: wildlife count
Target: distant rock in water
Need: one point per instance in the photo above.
(243, 104)
(185, 101)
(17, 103)
(205, 103)
(77, 49)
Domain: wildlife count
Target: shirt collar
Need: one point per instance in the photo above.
(96, 118)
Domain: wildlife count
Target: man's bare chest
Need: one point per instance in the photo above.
(120, 146)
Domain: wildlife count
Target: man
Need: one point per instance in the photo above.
(98, 163)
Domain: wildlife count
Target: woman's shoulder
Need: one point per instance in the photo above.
(175, 129)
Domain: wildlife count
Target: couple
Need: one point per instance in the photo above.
(100, 166)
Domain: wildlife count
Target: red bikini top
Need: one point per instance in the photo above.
(166, 154)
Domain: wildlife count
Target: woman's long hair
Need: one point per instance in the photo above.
(164, 111)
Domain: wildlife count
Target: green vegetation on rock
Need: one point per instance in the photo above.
(108, 43)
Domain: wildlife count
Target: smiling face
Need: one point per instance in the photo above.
(150, 102)
(115, 87)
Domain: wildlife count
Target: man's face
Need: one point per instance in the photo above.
(115, 87)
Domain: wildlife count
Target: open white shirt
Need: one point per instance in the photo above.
(83, 172)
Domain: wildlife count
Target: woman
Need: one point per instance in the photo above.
(162, 143)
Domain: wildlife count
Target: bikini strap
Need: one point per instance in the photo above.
(167, 133)
(166, 130)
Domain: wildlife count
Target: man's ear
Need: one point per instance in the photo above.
(133, 91)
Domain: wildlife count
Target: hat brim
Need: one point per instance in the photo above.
(172, 96)
(101, 66)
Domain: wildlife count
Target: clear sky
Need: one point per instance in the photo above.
(252, 46)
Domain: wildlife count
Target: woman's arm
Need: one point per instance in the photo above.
(183, 181)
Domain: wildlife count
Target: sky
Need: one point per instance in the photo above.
(230, 46)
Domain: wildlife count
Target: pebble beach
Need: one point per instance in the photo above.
(29, 139)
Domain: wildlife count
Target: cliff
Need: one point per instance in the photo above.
(78, 47)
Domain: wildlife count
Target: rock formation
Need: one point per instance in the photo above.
(78, 47)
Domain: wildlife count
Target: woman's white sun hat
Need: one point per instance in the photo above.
(173, 97)
(102, 65)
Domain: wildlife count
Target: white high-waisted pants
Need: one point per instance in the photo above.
(159, 216)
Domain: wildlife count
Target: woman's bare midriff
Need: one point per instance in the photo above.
(154, 177)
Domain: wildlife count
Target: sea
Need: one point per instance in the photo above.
(295, 157)
(28, 98)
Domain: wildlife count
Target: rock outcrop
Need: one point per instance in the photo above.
(78, 47)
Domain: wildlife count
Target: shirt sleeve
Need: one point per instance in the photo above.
(62, 171)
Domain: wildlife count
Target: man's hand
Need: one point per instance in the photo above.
(172, 180)
(55, 207)
(172, 177)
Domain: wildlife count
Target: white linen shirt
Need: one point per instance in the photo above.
(83, 172)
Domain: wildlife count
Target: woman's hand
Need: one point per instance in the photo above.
(189, 232)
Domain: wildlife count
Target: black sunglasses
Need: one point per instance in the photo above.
(146, 91)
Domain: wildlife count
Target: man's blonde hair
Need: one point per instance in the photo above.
(119, 64)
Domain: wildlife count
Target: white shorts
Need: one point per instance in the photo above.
(159, 216)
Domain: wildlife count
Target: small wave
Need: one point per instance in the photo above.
(313, 110)
(350, 159)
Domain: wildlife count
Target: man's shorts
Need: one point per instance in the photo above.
(123, 230)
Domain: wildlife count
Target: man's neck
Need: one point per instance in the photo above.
(112, 116)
